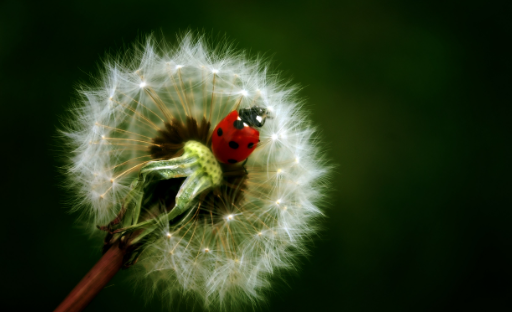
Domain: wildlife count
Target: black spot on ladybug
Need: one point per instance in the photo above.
(219, 132)
(233, 144)
(232, 161)
(250, 145)
(238, 124)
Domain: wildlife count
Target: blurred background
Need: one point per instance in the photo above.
(412, 99)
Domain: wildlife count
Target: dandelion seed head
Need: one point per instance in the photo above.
(256, 222)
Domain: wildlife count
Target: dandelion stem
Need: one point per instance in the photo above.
(94, 281)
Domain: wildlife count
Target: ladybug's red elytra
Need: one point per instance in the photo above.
(235, 137)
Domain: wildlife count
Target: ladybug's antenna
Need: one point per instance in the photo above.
(255, 98)
(237, 105)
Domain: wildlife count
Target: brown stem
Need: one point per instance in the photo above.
(94, 281)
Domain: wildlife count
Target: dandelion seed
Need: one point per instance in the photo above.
(156, 171)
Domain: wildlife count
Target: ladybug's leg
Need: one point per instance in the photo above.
(243, 165)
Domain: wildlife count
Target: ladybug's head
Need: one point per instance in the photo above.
(254, 116)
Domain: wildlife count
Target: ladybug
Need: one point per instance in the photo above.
(236, 137)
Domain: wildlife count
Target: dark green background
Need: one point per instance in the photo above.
(413, 103)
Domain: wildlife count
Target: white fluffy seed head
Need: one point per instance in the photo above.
(228, 257)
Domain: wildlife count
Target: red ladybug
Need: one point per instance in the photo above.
(235, 137)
